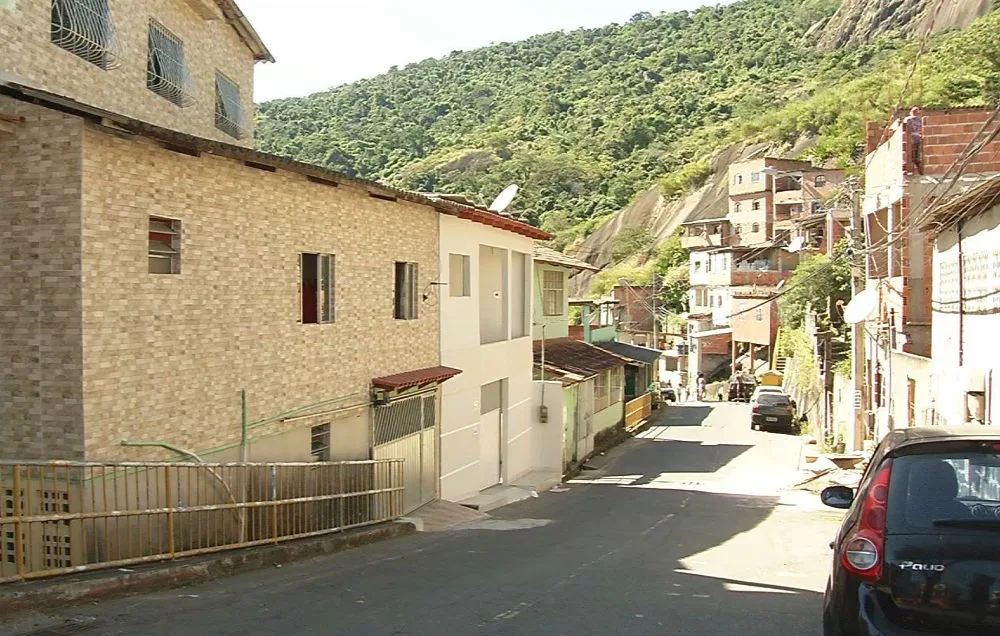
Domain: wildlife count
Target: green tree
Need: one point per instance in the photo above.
(629, 242)
(818, 282)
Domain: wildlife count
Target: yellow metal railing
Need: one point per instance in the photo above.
(62, 517)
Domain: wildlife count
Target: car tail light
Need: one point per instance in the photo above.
(756, 408)
(862, 553)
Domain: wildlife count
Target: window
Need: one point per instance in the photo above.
(164, 246)
(755, 227)
(320, 444)
(736, 207)
(817, 207)
(459, 276)
(82, 27)
(738, 229)
(406, 291)
(317, 288)
(519, 288)
(165, 72)
(739, 178)
(602, 391)
(760, 314)
(820, 180)
(228, 107)
(617, 385)
(552, 293)
(755, 177)
(755, 206)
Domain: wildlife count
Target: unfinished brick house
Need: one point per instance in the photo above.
(959, 151)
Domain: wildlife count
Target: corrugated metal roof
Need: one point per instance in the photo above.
(574, 357)
(644, 355)
(966, 205)
(548, 255)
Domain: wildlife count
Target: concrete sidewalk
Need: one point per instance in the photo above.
(50, 593)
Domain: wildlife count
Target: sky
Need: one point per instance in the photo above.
(319, 44)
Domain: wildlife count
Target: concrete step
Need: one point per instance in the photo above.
(441, 515)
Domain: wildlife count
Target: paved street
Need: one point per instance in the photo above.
(687, 530)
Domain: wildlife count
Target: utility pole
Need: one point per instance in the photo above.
(861, 406)
(656, 289)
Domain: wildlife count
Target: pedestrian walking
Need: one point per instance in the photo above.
(722, 393)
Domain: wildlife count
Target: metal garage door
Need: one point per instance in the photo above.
(407, 429)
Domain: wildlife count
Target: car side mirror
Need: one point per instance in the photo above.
(837, 497)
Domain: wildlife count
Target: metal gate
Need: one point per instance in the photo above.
(406, 429)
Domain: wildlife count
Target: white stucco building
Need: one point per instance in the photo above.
(487, 421)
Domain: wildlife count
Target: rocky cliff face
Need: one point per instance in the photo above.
(860, 21)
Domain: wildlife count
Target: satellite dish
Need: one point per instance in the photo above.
(861, 307)
(797, 244)
(502, 202)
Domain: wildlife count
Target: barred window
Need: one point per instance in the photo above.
(405, 305)
(84, 28)
(228, 107)
(164, 246)
(166, 74)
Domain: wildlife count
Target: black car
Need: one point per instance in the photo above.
(919, 550)
(771, 411)
(740, 391)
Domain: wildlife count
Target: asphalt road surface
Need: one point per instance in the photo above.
(690, 529)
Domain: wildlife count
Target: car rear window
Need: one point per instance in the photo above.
(772, 399)
(953, 485)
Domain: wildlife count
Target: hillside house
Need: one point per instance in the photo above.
(580, 385)
(900, 193)
(965, 376)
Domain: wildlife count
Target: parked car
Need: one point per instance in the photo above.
(765, 389)
(772, 410)
(668, 393)
(740, 390)
(918, 552)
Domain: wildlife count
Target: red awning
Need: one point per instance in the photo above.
(410, 379)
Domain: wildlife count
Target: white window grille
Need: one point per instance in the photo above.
(166, 73)
(229, 114)
(164, 246)
(85, 29)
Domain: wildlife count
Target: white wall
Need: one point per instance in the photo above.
(981, 317)
(549, 436)
(461, 472)
(884, 173)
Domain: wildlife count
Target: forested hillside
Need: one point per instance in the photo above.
(586, 120)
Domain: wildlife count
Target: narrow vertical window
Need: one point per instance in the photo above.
(459, 275)
(317, 287)
(405, 305)
(164, 246)
(319, 445)
(552, 293)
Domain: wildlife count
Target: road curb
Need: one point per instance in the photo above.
(47, 594)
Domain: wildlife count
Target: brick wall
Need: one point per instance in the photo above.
(41, 403)
(209, 46)
(946, 134)
(166, 355)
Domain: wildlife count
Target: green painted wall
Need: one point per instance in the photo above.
(569, 423)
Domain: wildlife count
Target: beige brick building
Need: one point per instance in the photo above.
(100, 349)
(172, 63)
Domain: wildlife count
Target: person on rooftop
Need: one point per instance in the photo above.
(914, 124)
